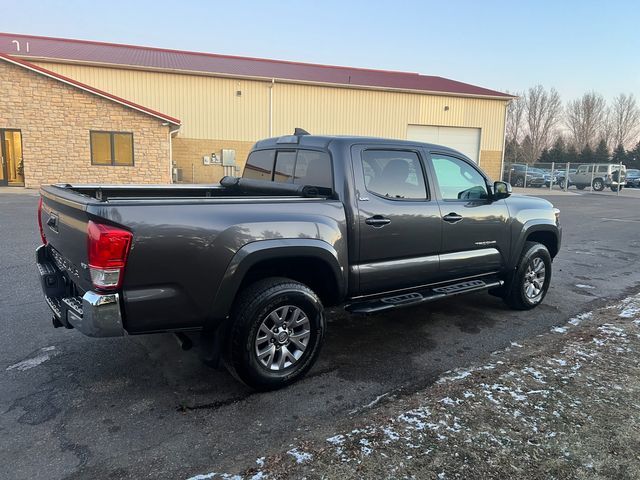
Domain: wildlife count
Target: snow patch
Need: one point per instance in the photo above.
(582, 285)
(300, 457)
(559, 329)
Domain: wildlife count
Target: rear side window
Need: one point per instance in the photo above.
(394, 174)
(259, 165)
(603, 168)
(313, 168)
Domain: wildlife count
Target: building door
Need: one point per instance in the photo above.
(12, 171)
(465, 140)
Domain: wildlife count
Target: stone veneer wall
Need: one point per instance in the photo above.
(55, 120)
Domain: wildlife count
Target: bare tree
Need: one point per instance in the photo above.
(607, 129)
(543, 110)
(625, 120)
(515, 117)
(585, 118)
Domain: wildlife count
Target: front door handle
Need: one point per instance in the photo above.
(377, 221)
(452, 217)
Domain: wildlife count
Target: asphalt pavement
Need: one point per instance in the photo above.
(139, 407)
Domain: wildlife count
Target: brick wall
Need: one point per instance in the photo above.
(188, 153)
(55, 120)
(491, 162)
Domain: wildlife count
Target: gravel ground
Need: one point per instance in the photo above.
(565, 404)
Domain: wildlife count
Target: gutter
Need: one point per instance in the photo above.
(273, 82)
(171, 133)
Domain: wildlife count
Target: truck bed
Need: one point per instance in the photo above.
(184, 239)
(230, 187)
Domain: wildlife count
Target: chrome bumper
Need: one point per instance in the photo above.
(94, 314)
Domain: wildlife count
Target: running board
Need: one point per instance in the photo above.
(417, 297)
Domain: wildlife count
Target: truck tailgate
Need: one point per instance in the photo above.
(64, 223)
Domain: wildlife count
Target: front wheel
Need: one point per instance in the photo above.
(531, 279)
(277, 331)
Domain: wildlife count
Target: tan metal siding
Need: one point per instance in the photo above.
(209, 108)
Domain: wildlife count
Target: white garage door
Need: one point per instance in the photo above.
(465, 140)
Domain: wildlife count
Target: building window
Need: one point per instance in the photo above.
(112, 148)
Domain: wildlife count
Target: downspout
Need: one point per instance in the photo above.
(504, 139)
(171, 132)
(273, 82)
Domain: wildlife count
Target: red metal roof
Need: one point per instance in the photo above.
(158, 58)
(88, 88)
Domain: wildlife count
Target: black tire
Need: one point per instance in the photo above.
(614, 188)
(598, 185)
(252, 307)
(519, 182)
(516, 297)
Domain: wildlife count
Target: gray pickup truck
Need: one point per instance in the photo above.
(315, 221)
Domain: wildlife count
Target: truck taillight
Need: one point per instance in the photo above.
(108, 248)
(42, 235)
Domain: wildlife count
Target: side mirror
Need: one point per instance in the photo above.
(501, 190)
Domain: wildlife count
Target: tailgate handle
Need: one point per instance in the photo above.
(53, 222)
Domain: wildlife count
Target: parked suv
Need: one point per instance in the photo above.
(633, 178)
(515, 175)
(599, 176)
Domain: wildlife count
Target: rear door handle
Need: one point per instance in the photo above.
(452, 217)
(377, 221)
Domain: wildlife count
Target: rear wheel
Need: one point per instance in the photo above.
(614, 188)
(598, 185)
(531, 279)
(277, 331)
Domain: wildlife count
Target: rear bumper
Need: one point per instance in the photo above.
(94, 314)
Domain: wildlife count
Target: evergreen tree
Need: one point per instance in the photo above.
(558, 151)
(545, 156)
(633, 157)
(586, 155)
(619, 155)
(601, 154)
(572, 155)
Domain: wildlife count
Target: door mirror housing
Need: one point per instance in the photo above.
(501, 190)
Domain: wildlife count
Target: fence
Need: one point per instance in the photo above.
(565, 176)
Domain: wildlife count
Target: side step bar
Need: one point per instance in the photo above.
(423, 295)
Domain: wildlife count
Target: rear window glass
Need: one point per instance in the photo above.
(285, 163)
(302, 167)
(603, 168)
(313, 168)
(259, 165)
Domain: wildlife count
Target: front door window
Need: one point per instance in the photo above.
(12, 171)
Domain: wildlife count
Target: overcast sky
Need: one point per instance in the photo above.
(574, 46)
